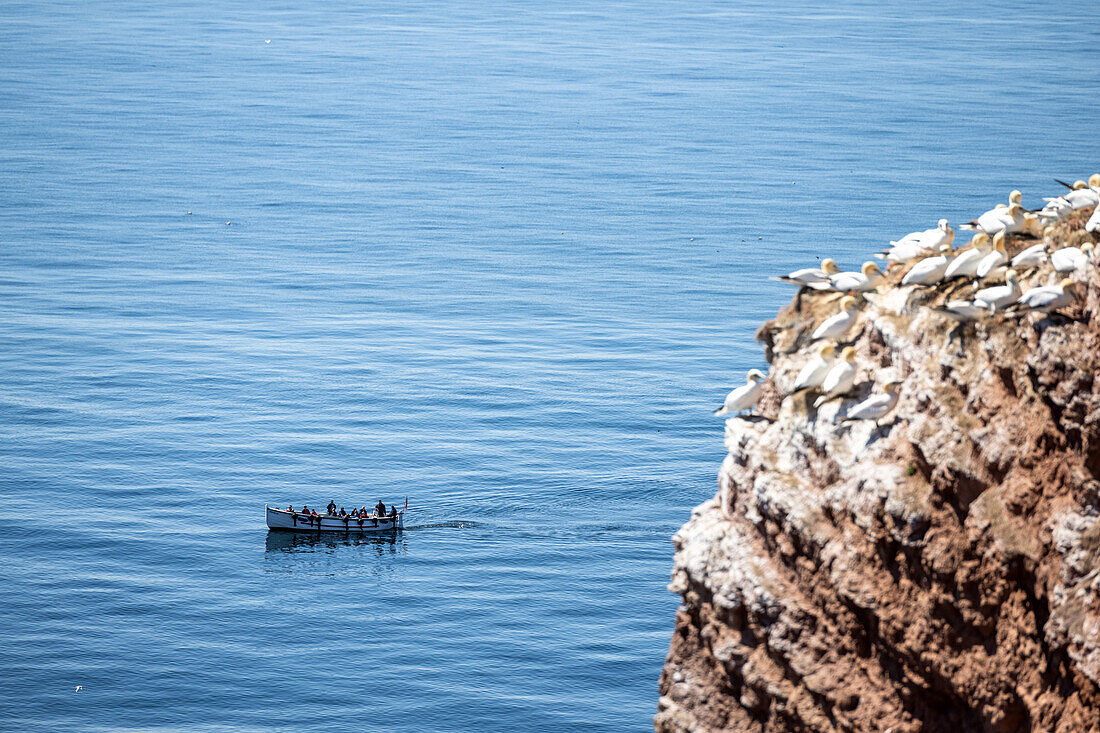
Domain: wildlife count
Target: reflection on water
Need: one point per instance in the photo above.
(300, 542)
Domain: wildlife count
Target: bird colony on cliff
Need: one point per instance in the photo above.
(1011, 267)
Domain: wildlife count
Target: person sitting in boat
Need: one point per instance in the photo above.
(342, 512)
(380, 509)
(331, 508)
(290, 508)
(363, 511)
(305, 509)
(354, 512)
(393, 510)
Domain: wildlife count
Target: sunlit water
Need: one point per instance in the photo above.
(503, 259)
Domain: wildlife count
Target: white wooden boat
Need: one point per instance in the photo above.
(288, 521)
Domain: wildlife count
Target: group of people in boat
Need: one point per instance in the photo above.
(332, 511)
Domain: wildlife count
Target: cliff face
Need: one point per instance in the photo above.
(939, 571)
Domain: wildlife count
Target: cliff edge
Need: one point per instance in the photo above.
(937, 570)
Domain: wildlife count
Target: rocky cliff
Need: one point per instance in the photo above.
(938, 570)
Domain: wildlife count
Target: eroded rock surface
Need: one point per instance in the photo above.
(939, 571)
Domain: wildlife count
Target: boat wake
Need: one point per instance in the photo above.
(456, 524)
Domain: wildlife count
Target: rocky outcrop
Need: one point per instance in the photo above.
(936, 571)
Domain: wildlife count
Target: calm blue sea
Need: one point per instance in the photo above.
(502, 258)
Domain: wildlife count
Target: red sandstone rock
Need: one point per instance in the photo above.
(940, 573)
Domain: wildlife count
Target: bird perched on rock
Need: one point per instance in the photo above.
(1033, 256)
(835, 326)
(1093, 224)
(917, 243)
(999, 297)
(812, 277)
(840, 378)
(930, 270)
(875, 406)
(995, 258)
(1047, 298)
(814, 373)
(966, 261)
(963, 311)
(866, 279)
(1010, 220)
(1069, 259)
(745, 396)
(1081, 195)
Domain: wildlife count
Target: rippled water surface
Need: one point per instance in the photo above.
(502, 258)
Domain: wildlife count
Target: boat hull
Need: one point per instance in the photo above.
(285, 521)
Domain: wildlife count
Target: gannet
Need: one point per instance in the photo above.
(875, 406)
(814, 373)
(811, 276)
(1011, 220)
(838, 324)
(963, 311)
(1082, 196)
(1056, 208)
(1033, 256)
(966, 262)
(1048, 297)
(745, 396)
(840, 378)
(996, 298)
(928, 271)
(1014, 197)
(994, 258)
(1093, 224)
(1069, 259)
(918, 243)
(859, 282)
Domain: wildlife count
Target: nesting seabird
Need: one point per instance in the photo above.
(1001, 296)
(812, 277)
(814, 373)
(840, 378)
(875, 406)
(745, 396)
(995, 258)
(1069, 259)
(862, 281)
(835, 326)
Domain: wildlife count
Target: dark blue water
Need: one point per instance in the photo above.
(501, 258)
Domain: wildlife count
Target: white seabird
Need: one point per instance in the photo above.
(1056, 208)
(997, 298)
(814, 373)
(1069, 259)
(1082, 196)
(745, 396)
(840, 378)
(859, 282)
(995, 258)
(963, 311)
(875, 406)
(812, 276)
(835, 326)
(1033, 256)
(928, 271)
(965, 263)
(1049, 297)
(1009, 220)
(918, 243)
(1093, 224)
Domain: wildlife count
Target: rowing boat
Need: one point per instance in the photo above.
(288, 521)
